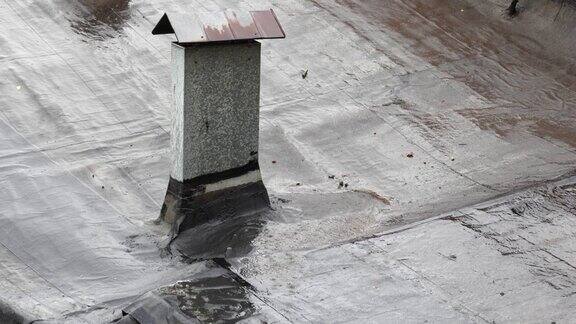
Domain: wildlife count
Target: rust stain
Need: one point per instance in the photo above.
(500, 123)
(557, 131)
(374, 195)
(217, 33)
(532, 88)
(245, 30)
(267, 24)
(504, 123)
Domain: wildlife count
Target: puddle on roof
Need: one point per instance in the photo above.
(222, 227)
(213, 299)
(222, 237)
(99, 19)
(213, 295)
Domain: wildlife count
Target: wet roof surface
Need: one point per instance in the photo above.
(406, 146)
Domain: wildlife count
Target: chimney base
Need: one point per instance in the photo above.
(236, 192)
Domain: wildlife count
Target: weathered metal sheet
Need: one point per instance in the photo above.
(220, 26)
(242, 25)
(267, 24)
(216, 27)
(187, 28)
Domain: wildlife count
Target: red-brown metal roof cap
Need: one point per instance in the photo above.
(220, 26)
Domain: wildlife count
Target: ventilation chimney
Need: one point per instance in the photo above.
(215, 103)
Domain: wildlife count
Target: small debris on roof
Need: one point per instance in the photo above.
(374, 195)
(513, 8)
(410, 155)
(304, 74)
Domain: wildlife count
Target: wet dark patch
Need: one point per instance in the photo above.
(98, 19)
(9, 315)
(224, 237)
(214, 295)
(487, 119)
(560, 130)
(215, 299)
(504, 121)
(217, 224)
(407, 20)
(513, 8)
(493, 56)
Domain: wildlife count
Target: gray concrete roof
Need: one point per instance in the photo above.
(444, 122)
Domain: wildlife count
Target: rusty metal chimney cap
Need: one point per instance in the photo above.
(220, 26)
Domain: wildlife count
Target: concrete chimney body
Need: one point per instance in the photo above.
(214, 139)
(215, 115)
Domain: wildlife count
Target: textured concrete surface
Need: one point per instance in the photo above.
(409, 110)
(216, 107)
(177, 65)
(214, 133)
